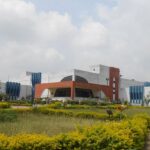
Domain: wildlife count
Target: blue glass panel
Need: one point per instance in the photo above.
(35, 79)
(134, 93)
(146, 84)
(13, 89)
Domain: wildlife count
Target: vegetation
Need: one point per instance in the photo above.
(147, 99)
(4, 105)
(20, 103)
(128, 134)
(73, 126)
(7, 116)
(3, 96)
(43, 124)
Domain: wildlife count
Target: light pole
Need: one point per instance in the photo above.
(107, 79)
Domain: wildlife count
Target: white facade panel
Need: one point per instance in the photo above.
(25, 91)
(146, 91)
(104, 75)
(124, 88)
(124, 94)
(97, 78)
(124, 83)
(89, 76)
(2, 87)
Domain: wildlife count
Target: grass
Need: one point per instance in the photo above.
(43, 124)
(129, 112)
(52, 124)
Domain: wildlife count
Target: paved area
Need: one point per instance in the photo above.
(20, 107)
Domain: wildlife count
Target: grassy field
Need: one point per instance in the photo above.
(43, 124)
(53, 124)
(129, 111)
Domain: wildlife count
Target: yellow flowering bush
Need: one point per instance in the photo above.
(4, 105)
(22, 110)
(124, 135)
(64, 112)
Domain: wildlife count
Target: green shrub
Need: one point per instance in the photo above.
(69, 106)
(119, 115)
(4, 105)
(56, 105)
(125, 135)
(89, 102)
(104, 104)
(91, 115)
(22, 110)
(72, 102)
(50, 111)
(7, 115)
(81, 114)
(20, 103)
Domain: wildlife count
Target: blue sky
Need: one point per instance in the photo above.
(77, 9)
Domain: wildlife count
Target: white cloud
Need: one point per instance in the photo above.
(91, 35)
(49, 42)
(129, 33)
(31, 40)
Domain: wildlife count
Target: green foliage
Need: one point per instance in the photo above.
(20, 103)
(120, 115)
(56, 105)
(126, 102)
(92, 115)
(3, 97)
(79, 114)
(4, 105)
(7, 115)
(69, 106)
(104, 104)
(89, 102)
(125, 135)
(72, 102)
(23, 110)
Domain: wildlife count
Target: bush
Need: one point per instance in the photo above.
(69, 106)
(127, 135)
(50, 111)
(22, 110)
(89, 102)
(7, 115)
(120, 115)
(105, 103)
(20, 103)
(73, 102)
(4, 105)
(56, 105)
(91, 115)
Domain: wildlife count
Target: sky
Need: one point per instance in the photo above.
(56, 36)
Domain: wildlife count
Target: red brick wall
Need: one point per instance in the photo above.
(114, 73)
(39, 88)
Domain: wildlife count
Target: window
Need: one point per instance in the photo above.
(114, 96)
(114, 85)
(114, 79)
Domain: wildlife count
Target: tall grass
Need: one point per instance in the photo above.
(43, 124)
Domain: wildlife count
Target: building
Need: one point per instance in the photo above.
(105, 83)
(136, 93)
(16, 91)
(84, 85)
